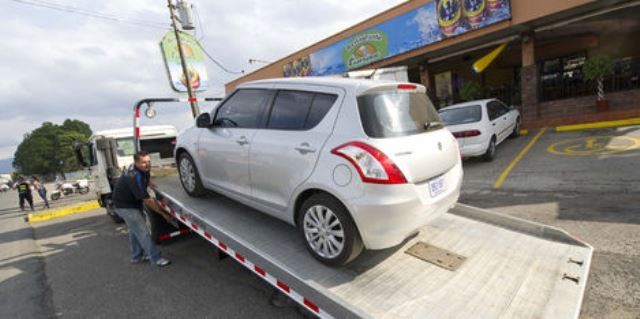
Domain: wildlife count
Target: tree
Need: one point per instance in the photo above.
(597, 68)
(48, 150)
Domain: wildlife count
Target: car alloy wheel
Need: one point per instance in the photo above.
(187, 174)
(490, 154)
(323, 231)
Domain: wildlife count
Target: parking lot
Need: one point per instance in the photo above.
(586, 182)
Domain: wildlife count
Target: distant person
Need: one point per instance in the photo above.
(129, 195)
(24, 192)
(42, 191)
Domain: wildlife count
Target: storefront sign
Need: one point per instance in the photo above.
(193, 56)
(433, 22)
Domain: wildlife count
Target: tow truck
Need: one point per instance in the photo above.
(467, 263)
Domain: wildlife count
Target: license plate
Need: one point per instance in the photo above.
(437, 186)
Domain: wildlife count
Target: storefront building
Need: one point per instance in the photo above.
(531, 54)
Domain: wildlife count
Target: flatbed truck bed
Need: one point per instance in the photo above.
(512, 268)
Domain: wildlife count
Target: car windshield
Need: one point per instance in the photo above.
(461, 115)
(395, 114)
(125, 146)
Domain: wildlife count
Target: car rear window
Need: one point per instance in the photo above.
(394, 114)
(461, 115)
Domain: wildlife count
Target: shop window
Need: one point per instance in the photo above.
(563, 78)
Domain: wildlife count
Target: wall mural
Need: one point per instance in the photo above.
(433, 22)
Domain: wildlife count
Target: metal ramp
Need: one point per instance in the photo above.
(513, 268)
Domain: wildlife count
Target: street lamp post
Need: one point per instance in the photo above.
(192, 96)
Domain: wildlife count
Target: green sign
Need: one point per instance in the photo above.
(194, 57)
(365, 48)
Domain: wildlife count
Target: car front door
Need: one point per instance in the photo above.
(498, 118)
(224, 148)
(284, 154)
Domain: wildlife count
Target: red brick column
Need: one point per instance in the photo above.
(529, 83)
(529, 78)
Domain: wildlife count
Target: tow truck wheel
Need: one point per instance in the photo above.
(153, 224)
(189, 176)
(328, 231)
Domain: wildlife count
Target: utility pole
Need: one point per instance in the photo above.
(195, 110)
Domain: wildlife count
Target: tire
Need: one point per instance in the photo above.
(153, 223)
(516, 129)
(490, 154)
(55, 196)
(345, 248)
(84, 190)
(189, 176)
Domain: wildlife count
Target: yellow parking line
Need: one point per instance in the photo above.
(605, 124)
(75, 209)
(515, 161)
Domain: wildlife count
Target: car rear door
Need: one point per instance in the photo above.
(284, 153)
(224, 148)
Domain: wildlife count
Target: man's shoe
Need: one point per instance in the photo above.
(141, 260)
(163, 262)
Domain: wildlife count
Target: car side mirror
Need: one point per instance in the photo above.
(77, 148)
(203, 120)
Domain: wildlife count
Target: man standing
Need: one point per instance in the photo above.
(24, 192)
(42, 191)
(129, 195)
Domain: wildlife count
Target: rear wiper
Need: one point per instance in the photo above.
(433, 125)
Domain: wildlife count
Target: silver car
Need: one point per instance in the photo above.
(353, 164)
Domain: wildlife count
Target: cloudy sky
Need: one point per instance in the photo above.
(58, 64)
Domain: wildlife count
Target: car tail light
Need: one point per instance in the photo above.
(406, 87)
(372, 165)
(470, 133)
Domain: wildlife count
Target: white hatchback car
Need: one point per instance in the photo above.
(479, 126)
(352, 163)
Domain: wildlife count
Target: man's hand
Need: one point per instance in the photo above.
(154, 205)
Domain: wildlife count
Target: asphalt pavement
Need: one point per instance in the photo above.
(78, 266)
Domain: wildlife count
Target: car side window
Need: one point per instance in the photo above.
(319, 108)
(504, 109)
(243, 109)
(493, 110)
(290, 109)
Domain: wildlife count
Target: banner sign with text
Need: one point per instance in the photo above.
(433, 22)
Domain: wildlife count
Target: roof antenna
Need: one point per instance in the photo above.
(372, 74)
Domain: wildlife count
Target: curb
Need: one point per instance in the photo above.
(64, 211)
(596, 125)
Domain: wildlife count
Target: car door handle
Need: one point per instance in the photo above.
(494, 124)
(242, 141)
(305, 148)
